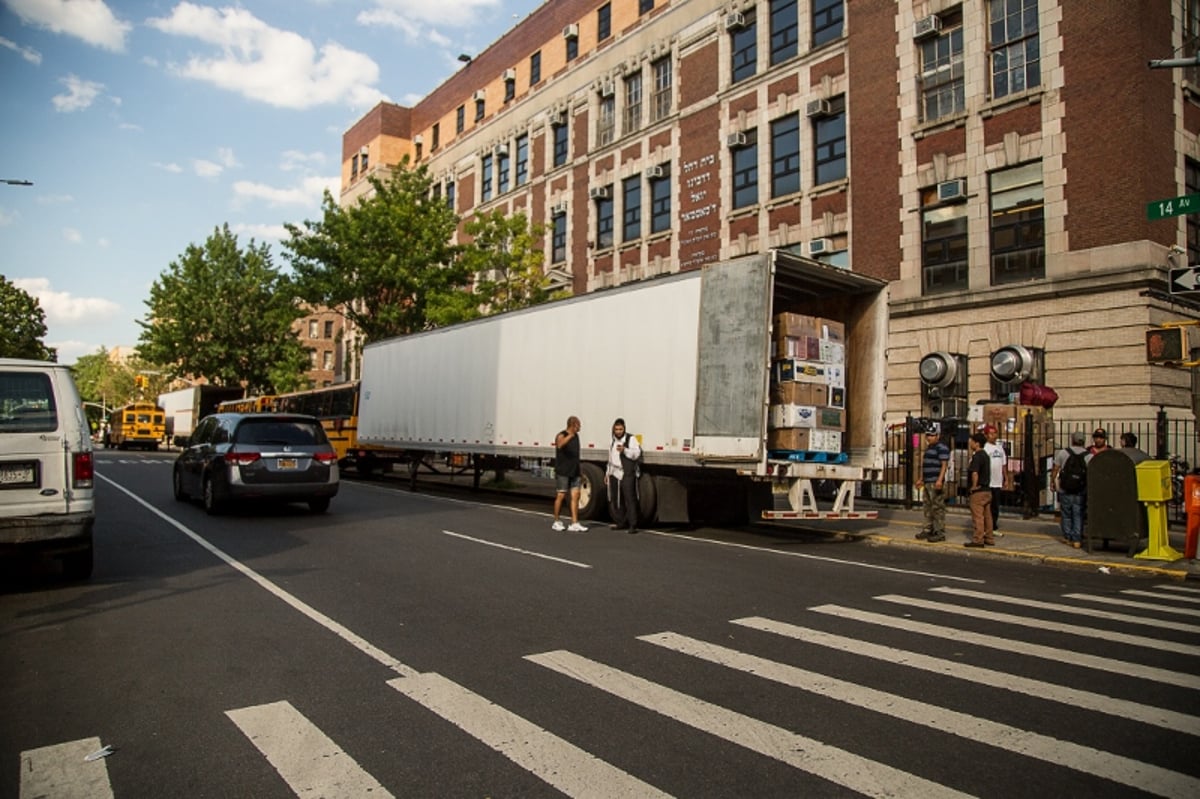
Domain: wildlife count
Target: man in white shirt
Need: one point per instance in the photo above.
(999, 460)
(621, 477)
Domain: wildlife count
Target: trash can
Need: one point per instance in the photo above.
(1113, 511)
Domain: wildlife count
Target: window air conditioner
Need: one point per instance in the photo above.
(363, 150)
(817, 108)
(558, 208)
(607, 89)
(654, 172)
(820, 246)
(480, 94)
(951, 190)
(500, 150)
(418, 139)
(927, 26)
(510, 74)
(558, 118)
(571, 31)
(598, 193)
(734, 21)
(735, 139)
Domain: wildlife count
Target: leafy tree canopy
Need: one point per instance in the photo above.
(385, 262)
(22, 325)
(225, 313)
(505, 258)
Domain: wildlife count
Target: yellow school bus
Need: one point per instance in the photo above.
(336, 407)
(247, 405)
(138, 424)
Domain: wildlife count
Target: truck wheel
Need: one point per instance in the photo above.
(366, 466)
(647, 498)
(593, 496)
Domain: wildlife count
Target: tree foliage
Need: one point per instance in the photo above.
(22, 325)
(507, 263)
(386, 262)
(224, 313)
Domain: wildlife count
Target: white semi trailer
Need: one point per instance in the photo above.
(187, 406)
(685, 359)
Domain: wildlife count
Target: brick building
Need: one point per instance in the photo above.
(992, 159)
(322, 334)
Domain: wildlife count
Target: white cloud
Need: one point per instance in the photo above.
(61, 308)
(277, 67)
(72, 235)
(8, 217)
(294, 159)
(80, 94)
(173, 168)
(130, 126)
(261, 232)
(307, 193)
(103, 242)
(55, 199)
(89, 20)
(226, 157)
(206, 169)
(28, 53)
(455, 13)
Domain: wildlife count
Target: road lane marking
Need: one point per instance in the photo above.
(61, 772)
(1187, 589)
(1066, 754)
(529, 552)
(350, 637)
(993, 678)
(559, 763)
(838, 766)
(1044, 624)
(1129, 603)
(1070, 609)
(307, 759)
(1081, 659)
(1165, 597)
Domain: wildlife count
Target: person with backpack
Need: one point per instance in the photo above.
(624, 464)
(1070, 481)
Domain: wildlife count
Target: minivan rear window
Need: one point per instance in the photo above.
(254, 431)
(27, 403)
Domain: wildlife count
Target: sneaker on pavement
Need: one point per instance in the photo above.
(935, 538)
(577, 528)
(558, 526)
(921, 536)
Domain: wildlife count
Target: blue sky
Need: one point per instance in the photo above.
(145, 125)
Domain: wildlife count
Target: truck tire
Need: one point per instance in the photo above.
(647, 498)
(593, 496)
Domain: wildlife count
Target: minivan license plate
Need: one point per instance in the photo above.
(16, 474)
(286, 463)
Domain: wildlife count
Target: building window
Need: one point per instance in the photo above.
(329, 329)
(606, 121)
(479, 110)
(502, 170)
(660, 201)
(313, 326)
(633, 104)
(1191, 33)
(558, 238)
(645, 7)
(450, 194)
(572, 48)
(354, 166)
(1192, 186)
(362, 160)
(827, 16)
(562, 145)
(941, 82)
(604, 220)
(785, 155)
(631, 208)
(510, 89)
(485, 178)
(1018, 225)
(785, 30)
(460, 116)
(829, 138)
(744, 48)
(535, 68)
(943, 244)
(417, 154)
(436, 136)
(326, 360)
(1016, 57)
(522, 159)
(604, 22)
(745, 171)
(312, 359)
(660, 103)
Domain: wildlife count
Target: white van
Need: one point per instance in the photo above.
(46, 466)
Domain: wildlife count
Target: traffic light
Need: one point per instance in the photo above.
(140, 381)
(1166, 345)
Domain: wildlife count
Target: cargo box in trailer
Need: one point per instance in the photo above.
(187, 406)
(691, 361)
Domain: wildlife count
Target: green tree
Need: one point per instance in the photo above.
(506, 261)
(385, 262)
(224, 313)
(22, 325)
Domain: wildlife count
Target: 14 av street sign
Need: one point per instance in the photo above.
(1176, 206)
(1186, 278)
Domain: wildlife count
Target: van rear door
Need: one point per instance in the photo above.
(35, 456)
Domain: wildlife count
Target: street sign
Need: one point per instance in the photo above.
(1185, 279)
(1176, 206)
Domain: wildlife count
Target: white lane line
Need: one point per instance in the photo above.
(1165, 597)
(517, 549)
(1044, 624)
(1129, 603)
(60, 772)
(1081, 659)
(559, 763)
(355, 640)
(1187, 589)
(1066, 754)
(307, 759)
(1037, 689)
(838, 766)
(1069, 609)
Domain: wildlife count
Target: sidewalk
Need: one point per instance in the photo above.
(1038, 539)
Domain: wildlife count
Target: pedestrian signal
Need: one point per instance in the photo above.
(1166, 344)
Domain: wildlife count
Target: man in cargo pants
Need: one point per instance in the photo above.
(932, 484)
(566, 474)
(622, 478)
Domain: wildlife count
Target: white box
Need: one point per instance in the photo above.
(832, 351)
(835, 375)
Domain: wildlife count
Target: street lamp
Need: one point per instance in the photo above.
(16, 182)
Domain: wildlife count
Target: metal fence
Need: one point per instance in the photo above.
(1030, 451)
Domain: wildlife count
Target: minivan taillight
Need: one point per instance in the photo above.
(234, 458)
(83, 472)
(326, 457)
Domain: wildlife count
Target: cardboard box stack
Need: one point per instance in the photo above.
(808, 384)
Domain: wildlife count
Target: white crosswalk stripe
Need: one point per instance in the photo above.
(1068, 609)
(1162, 597)
(1130, 603)
(63, 771)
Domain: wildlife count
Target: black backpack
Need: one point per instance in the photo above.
(635, 462)
(1072, 478)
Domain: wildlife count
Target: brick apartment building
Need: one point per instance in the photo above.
(322, 334)
(991, 159)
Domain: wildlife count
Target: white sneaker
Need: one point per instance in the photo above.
(577, 528)
(558, 526)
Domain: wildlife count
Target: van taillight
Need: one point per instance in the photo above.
(235, 458)
(326, 457)
(83, 472)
